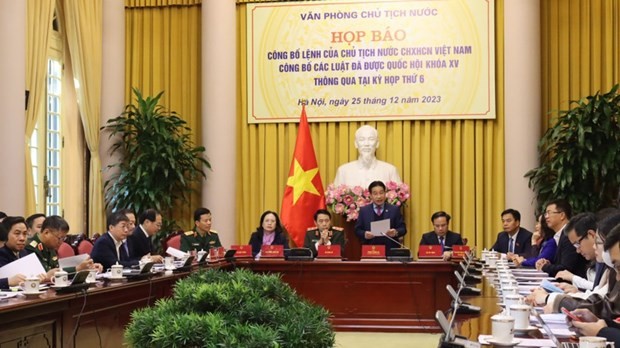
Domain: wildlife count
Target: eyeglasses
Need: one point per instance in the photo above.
(547, 213)
(60, 239)
(577, 244)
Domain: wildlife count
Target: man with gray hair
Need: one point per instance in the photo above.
(367, 168)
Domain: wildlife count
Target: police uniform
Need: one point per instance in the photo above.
(192, 240)
(335, 236)
(47, 256)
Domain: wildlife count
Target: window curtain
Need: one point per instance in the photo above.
(456, 166)
(84, 29)
(40, 15)
(163, 53)
(581, 51)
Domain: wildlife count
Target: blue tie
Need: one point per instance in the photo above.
(511, 247)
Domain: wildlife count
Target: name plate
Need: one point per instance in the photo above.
(373, 251)
(459, 251)
(430, 251)
(329, 251)
(243, 251)
(272, 251)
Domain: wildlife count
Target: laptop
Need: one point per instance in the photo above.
(550, 333)
(138, 274)
(78, 283)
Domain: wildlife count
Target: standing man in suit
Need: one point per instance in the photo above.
(324, 233)
(557, 214)
(139, 242)
(441, 234)
(514, 240)
(108, 249)
(380, 210)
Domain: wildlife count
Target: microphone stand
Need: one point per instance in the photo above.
(407, 258)
(454, 341)
(466, 290)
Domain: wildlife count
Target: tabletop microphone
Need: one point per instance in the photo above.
(402, 254)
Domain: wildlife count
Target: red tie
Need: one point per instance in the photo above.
(379, 210)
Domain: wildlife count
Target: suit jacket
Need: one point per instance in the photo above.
(139, 244)
(451, 238)
(256, 241)
(313, 236)
(104, 252)
(7, 255)
(566, 258)
(367, 215)
(522, 246)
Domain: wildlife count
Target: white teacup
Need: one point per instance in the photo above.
(491, 261)
(92, 276)
(169, 262)
(521, 313)
(200, 254)
(592, 342)
(502, 328)
(510, 290)
(506, 283)
(512, 299)
(30, 285)
(116, 271)
(61, 278)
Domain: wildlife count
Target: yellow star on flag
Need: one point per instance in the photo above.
(301, 181)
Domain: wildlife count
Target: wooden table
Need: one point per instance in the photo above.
(362, 296)
(370, 296)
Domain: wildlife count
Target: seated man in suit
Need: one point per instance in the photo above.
(108, 249)
(45, 243)
(15, 242)
(380, 210)
(514, 240)
(441, 234)
(139, 243)
(324, 233)
(557, 215)
(202, 237)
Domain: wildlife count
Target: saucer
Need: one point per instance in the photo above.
(32, 294)
(528, 329)
(503, 344)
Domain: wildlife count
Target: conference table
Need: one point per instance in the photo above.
(362, 296)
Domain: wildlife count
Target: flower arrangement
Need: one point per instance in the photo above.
(347, 201)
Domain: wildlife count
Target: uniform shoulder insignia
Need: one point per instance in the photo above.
(189, 233)
(213, 231)
(33, 243)
(336, 228)
(40, 247)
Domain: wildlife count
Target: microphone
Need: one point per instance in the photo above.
(464, 289)
(461, 307)
(402, 254)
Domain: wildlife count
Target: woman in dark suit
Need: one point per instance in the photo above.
(269, 232)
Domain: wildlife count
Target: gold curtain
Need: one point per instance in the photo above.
(580, 51)
(163, 53)
(40, 14)
(84, 28)
(456, 166)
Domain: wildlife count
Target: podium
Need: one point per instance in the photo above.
(352, 246)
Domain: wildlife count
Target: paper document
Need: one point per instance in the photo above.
(377, 228)
(27, 265)
(175, 252)
(72, 261)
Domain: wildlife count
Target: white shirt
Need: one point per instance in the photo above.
(143, 230)
(117, 244)
(355, 173)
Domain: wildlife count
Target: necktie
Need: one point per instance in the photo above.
(511, 247)
(441, 241)
(379, 210)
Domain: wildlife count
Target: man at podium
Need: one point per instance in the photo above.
(376, 211)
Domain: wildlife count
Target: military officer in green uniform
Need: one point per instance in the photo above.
(45, 243)
(324, 233)
(202, 237)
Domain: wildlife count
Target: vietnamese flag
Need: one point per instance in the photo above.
(304, 193)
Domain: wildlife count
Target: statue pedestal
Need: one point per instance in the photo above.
(353, 247)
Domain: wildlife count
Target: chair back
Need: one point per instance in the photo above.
(172, 240)
(65, 250)
(84, 247)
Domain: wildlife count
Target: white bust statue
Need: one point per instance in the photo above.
(367, 168)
